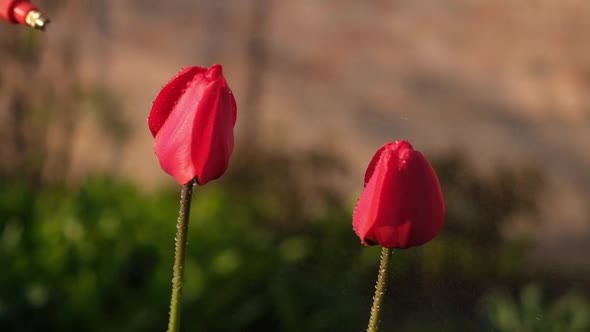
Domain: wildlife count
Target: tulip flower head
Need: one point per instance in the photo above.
(192, 121)
(401, 205)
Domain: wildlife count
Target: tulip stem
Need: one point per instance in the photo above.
(380, 288)
(179, 253)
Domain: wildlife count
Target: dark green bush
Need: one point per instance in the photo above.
(263, 256)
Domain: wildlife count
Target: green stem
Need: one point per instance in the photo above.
(179, 254)
(380, 288)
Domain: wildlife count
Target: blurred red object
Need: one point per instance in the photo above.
(192, 121)
(22, 12)
(402, 204)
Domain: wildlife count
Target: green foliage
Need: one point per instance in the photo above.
(270, 249)
(480, 208)
(99, 259)
(23, 43)
(568, 313)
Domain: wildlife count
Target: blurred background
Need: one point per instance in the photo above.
(495, 94)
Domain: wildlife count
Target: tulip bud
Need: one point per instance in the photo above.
(192, 121)
(401, 205)
(22, 12)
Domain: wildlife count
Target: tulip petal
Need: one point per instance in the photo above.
(365, 212)
(174, 139)
(169, 96)
(373, 163)
(214, 73)
(214, 132)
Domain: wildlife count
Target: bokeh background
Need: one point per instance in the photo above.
(496, 94)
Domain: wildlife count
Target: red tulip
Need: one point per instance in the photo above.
(192, 120)
(402, 204)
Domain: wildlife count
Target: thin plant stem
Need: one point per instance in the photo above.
(380, 288)
(179, 253)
